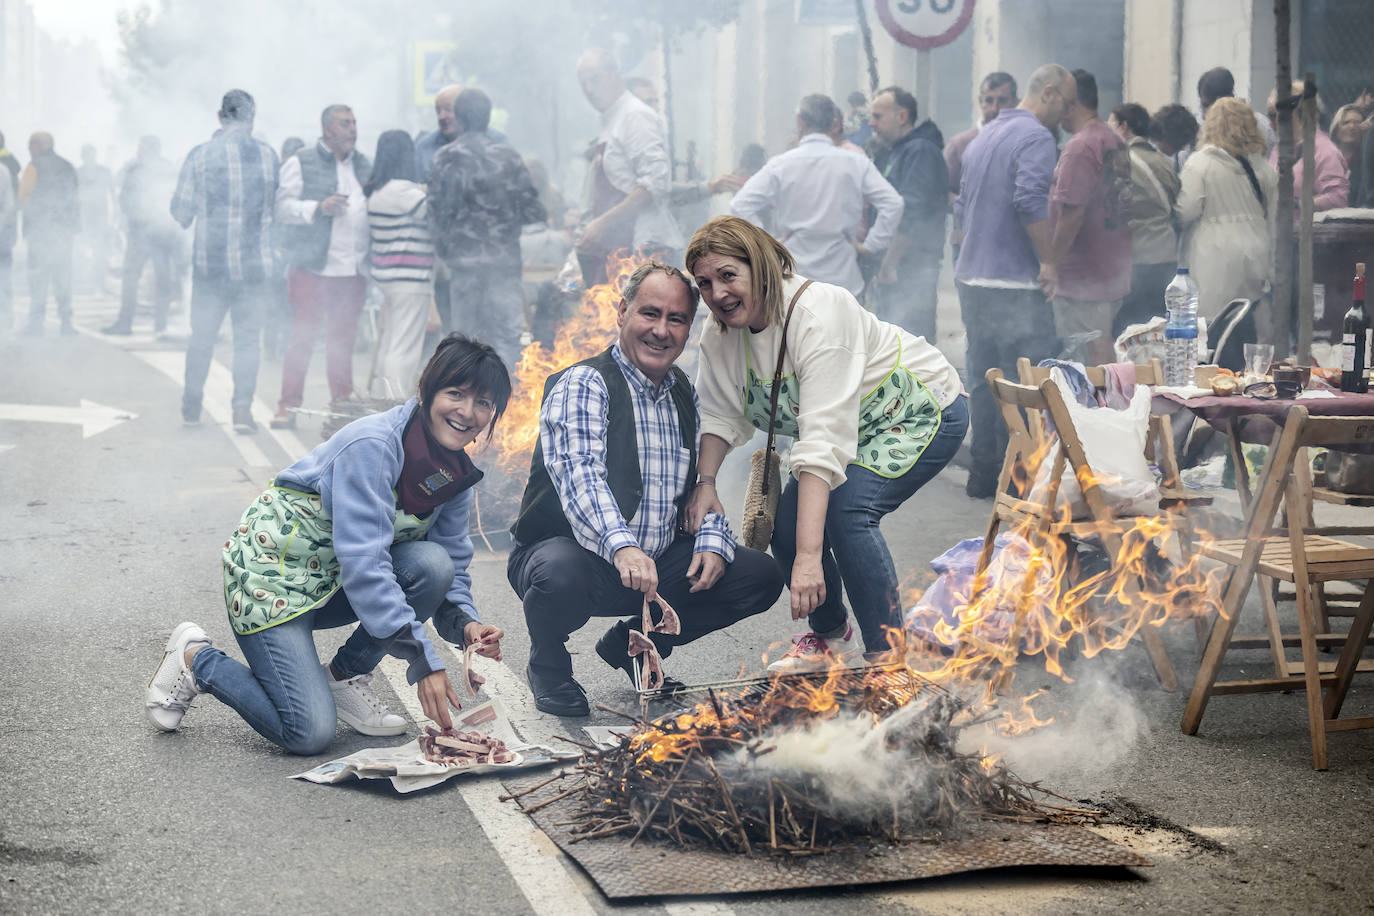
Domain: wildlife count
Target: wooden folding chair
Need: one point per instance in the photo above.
(1174, 497)
(1312, 489)
(1305, 558)
(1039, 519)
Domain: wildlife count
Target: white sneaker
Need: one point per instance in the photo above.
(810, 652)
(172, 688)
(361, 709)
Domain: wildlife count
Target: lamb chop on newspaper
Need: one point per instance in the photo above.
(456, 748)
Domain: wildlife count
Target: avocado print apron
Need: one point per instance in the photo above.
(897, 419)
(280, 561)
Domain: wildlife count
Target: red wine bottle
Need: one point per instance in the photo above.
(1355, 341)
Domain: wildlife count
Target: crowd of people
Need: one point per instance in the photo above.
(821, 285)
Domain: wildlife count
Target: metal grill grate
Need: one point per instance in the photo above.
(622, 869)
(898, 684)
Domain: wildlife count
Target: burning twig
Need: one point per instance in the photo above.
(726, 774)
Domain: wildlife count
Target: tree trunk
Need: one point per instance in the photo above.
(1281, 306)
(1308, 110)
(867, 34)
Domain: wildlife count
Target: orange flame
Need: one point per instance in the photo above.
(588, 331)
(1034, 600)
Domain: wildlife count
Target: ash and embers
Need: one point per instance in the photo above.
(797, 766)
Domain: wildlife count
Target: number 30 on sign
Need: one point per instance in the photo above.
(924, 24)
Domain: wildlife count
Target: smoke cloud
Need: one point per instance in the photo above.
(856, 769)
(1097, 723)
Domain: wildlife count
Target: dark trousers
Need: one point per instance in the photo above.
(1146, 298)
(144, 246)
(564, 585)
(594, 265)
(1002, 325)
(487, 303)
(50, 265)
(913, 301)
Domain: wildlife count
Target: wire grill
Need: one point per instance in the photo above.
(896, 685)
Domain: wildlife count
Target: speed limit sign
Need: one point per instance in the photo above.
(924, 24)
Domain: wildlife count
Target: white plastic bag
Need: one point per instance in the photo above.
(1114, 445)
(1140, 343)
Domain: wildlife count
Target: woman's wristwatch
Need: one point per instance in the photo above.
(703, 479)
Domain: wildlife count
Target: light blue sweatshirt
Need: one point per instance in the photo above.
(356, 473)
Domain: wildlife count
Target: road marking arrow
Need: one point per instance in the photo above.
(93, 418)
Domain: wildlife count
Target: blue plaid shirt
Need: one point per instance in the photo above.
(229, 186)
(572, 431)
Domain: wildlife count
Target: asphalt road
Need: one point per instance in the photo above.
(113, 537)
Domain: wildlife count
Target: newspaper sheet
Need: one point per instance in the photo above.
(405, 765)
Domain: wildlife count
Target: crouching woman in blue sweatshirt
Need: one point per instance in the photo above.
(371, 527)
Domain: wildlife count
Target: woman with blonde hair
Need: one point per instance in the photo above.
(875, 413)
(1226, 209)
(1331, 176)
(1348, 127)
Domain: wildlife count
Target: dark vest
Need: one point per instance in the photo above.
(541, 512)
(308, 246)
(53, 212)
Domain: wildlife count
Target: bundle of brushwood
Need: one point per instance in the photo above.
(715, 777)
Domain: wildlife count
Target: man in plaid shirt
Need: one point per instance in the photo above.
(227, 187)
(600, 526)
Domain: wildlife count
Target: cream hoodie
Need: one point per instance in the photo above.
(839, 352)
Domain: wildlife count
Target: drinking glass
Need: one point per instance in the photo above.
(1258, 357)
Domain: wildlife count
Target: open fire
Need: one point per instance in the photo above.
(1040, 599)
(800, 765)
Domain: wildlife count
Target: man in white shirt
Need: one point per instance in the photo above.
(631, 177)
(323, 214)
(817, 192)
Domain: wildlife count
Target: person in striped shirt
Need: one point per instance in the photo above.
(227, 187)
(600, 532)
(402, 263)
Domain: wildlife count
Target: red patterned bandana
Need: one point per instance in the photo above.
(431, 475)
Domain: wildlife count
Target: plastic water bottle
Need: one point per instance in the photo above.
(1180, 333)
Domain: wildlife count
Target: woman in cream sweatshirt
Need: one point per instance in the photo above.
(875, 413)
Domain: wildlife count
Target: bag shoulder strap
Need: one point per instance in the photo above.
(1254, 184)
(777, 372)
(1144, 166)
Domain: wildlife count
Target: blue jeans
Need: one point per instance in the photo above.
(211, 299)
(855, 555)
(283, 692)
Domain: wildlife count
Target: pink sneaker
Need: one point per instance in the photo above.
(810, 652)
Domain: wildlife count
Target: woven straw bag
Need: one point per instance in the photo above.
(765, 475)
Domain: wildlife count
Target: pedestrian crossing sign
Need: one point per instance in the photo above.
(436, 66)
